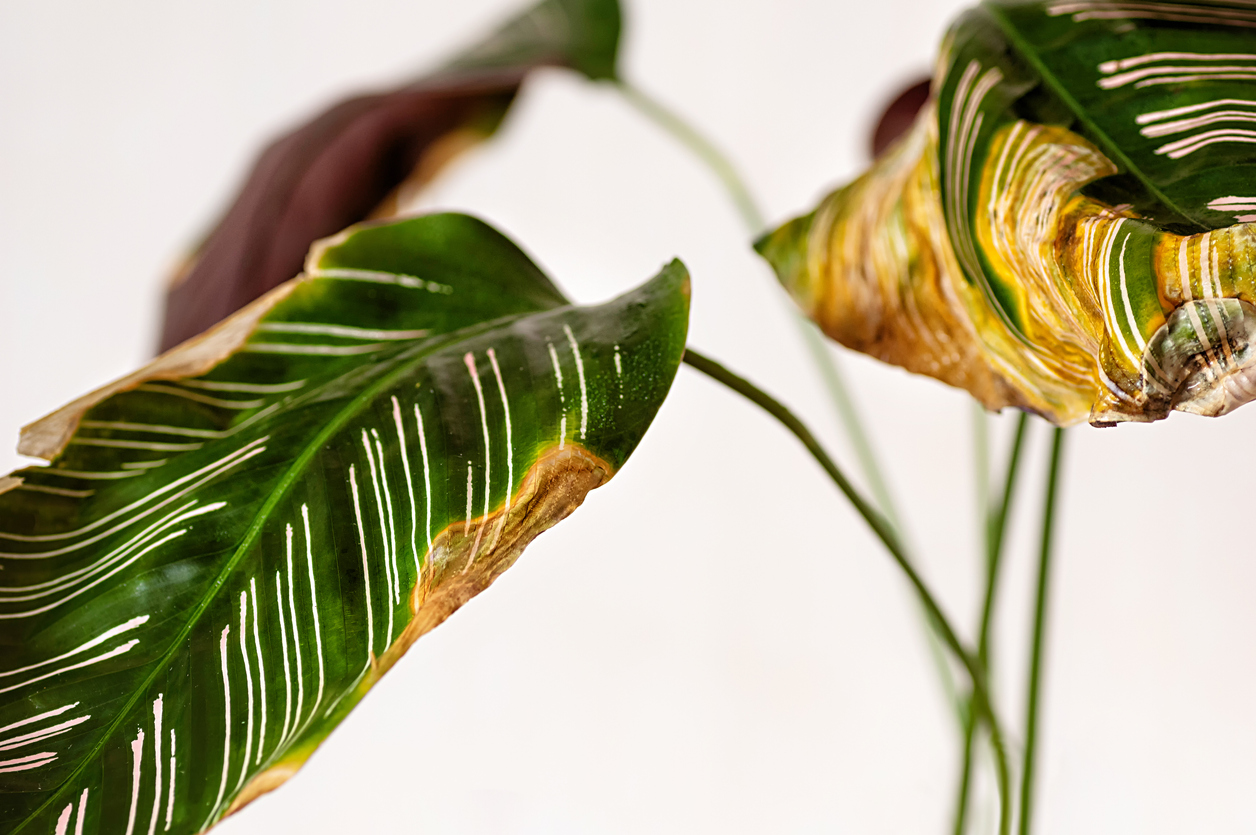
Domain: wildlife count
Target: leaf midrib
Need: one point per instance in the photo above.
(347, 413)
(1027, 52)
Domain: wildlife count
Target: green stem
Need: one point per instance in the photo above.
(719, 164)
(996, 526)
(981, 465)
(1040, 618)
(726, 172)
(848, 412)
(886, 533)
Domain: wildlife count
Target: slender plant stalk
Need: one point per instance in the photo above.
(995, 528)
(1040, 619)
(981, 465)
(826, 364)
(719, 164)
(848, 413)
(981, 701)
(747, 208)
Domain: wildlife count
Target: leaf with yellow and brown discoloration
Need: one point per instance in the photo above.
(467, 559)
(1070, 226)
(245, 552)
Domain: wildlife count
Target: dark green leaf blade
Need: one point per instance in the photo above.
(216, 569)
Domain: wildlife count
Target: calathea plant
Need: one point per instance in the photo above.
(233, 544)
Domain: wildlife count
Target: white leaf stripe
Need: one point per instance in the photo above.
(49, 606)
(1151, 57)
(226, 741)
(105, 656)
(366, 568)
(562, 397)
(296, 634)
(510, 447)
(137, 758)
(86, 474)
(70, 579)
(248, 687)
(94, 642)
(469, 360)
(380, 277)
(584, 393)
(1107, 10)
(287, 670)
(1148, 75)
(174, 770)
(383, 532)
(391, 549)
(56, 491)
(150, 446)
(298, 348)
(1185, 147)
(28, 762)
(39, 717)
(1168, 128)
(1223, 202)
(151, 428)
(345, 331)
(201, 398)
(244, 388)
(157, 711)
(470, 493)
(221, 465)
(181, 431)
(405, 466)
(427, 476)
(1157, 115)
(82, 812)
(31, 737)
(261, 667)
(318, 633)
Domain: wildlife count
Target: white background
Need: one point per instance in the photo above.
(713, 643)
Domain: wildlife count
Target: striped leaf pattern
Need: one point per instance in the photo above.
(1070, 227)
(232, 546)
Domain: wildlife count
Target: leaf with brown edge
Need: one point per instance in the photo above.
(1069, 227)
(359, 157)
(218, 564)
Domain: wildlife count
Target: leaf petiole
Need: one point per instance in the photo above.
(995, 519)
(981, 701)
(1040, 617)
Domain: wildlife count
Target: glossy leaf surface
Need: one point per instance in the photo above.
(216, 567)
(363, 156)
(1069, 227)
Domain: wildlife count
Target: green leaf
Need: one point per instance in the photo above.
(234, 544)
(1069, 228)
(581, 34)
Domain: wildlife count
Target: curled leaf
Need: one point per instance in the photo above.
(366, 154)
(1069, 226)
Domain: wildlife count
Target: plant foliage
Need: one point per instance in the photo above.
(231, 546)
